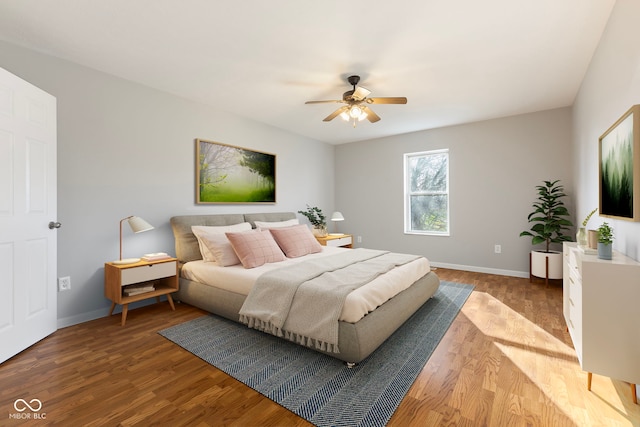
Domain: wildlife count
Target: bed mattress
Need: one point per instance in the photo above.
(359, 302)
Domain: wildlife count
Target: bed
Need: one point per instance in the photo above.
(356, 339)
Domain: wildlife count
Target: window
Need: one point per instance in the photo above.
(426, 207)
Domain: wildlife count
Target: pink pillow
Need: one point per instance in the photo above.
(296, 241)
(255, 248)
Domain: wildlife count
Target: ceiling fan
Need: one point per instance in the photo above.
(356, 101)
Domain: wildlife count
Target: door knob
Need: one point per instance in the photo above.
(53, 225)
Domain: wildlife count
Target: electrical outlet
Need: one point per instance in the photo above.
(64, 283)
(359, 239)
(498, 249)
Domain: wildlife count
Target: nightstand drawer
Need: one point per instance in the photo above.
(147, 272)
(343, 241)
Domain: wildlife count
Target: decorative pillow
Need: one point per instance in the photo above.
(221, 250)
(255, 248)
(296, 241)
(262, 225)
(214, 245)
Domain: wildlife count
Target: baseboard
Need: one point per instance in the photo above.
(500, 272)
(103, 312)
(83, 317)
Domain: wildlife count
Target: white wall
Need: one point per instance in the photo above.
(494, 168)
(125, 149)
(611, 86)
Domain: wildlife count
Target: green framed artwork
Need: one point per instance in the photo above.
(619, 168)
(229, 174)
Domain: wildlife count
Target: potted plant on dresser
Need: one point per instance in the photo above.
(550, 222)
(605, 241)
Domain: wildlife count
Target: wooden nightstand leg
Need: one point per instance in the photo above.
(634, 395)
(125, 309)
(589, 378)
(113, 305)
(171, 302)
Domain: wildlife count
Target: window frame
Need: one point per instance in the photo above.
(408, 193)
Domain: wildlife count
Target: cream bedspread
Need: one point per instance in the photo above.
(302, 303)
(357, 304)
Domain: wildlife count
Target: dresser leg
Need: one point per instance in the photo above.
(113, 305)
(634, 395)
(589, 378)
(125, 309)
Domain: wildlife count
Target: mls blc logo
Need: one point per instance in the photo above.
(34, 406)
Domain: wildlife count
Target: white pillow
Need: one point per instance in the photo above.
(263, 225)
(214, 245)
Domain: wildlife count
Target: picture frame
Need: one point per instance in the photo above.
(226, 174)
(619, 168)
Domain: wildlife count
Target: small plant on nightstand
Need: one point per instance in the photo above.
(317, 220)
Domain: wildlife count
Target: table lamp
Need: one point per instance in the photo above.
(337, 216)
(138, 225)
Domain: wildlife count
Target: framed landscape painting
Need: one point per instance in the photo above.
(619, 168)
(228, 174)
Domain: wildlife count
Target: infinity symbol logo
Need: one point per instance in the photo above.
(21, 405)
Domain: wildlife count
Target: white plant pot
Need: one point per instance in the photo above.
(538, 264)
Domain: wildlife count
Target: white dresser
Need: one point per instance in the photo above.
(600, 304)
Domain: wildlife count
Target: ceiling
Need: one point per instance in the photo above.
(456, 61)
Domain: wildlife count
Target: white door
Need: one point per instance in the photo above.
(28, 259)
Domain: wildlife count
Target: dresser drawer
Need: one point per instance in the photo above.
(575, 289)
(575, 266)
(147, 272)
(343, 241)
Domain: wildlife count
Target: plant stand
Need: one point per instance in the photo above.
(546, 262)
(549, 268)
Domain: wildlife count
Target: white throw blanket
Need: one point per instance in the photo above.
(303, 302)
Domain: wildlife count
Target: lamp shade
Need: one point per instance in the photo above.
(337, 216)
(138, 225)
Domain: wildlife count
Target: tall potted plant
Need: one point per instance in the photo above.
(549, 219)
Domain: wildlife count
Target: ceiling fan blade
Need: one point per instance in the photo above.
(371, 115)
(323, 102)
(335, 114)
(389, 100)
(360, 93)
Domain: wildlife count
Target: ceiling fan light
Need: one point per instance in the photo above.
(362, 116)
(344, 116)
(355, 111)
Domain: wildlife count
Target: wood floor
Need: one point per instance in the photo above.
(507, 360)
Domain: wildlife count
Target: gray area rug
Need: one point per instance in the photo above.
(317, 387)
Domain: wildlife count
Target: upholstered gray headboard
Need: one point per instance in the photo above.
(187, 248)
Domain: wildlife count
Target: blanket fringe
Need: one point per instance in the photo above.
(270, 328)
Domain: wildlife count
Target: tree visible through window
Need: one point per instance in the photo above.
(427, 192)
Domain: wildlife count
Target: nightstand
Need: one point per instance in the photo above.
(343, 240)
(119, 281)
